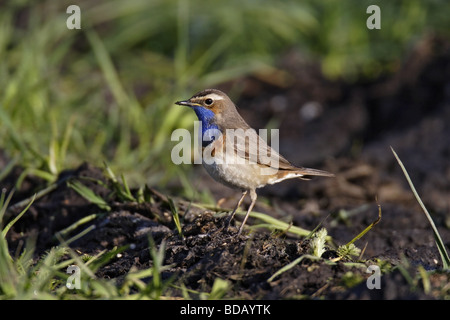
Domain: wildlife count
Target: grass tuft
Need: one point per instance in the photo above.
(437, 237)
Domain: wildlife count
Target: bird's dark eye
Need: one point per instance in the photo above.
(208, 101)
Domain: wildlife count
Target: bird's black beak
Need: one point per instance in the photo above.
(184, 103)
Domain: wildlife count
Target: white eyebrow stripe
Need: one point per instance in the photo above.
(214, 96)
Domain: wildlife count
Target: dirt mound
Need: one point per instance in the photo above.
(208, 250)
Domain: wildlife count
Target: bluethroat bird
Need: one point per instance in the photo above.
(234, 154)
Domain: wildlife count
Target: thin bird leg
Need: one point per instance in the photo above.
(237, 206)
(253, 196)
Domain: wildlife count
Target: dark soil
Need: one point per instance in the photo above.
(331, 125)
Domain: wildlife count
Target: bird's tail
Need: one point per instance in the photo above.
(305, 172)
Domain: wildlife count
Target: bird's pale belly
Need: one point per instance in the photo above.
(229, 170)
(238, 176)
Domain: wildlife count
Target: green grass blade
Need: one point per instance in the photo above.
(439, 243)
(38, 195)
(107, 67)
(366, 229)
(11, 223)
(277, 224)
(219, 289)
(176, 217)
(126, 188)
(270, 222)
(122, 190)
(64, 232)
(89, 195)
(291, 265)
(7, 169)
(3, 203)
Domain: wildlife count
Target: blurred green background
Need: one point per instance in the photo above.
(106, 92)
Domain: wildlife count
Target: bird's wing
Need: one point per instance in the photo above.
(249, 146)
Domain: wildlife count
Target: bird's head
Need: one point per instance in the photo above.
(210, 105)
(215, 110)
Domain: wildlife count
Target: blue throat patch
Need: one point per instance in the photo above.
(209, 128)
